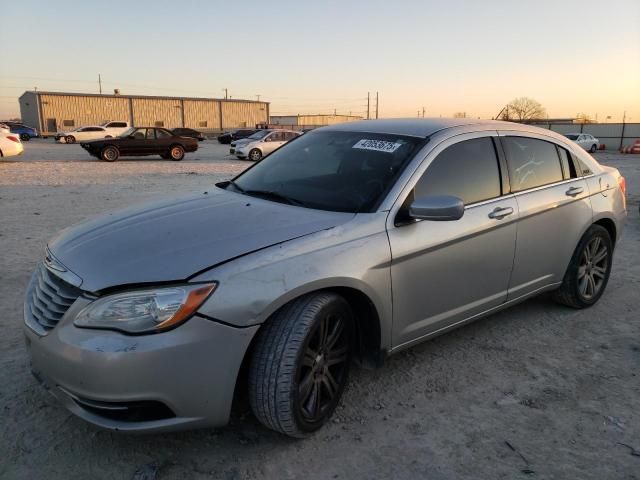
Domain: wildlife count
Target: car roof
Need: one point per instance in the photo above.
(421, 127)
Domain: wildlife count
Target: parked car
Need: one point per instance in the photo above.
(116, 127)
(10, 144)
(140, 320)
(189, 132)
(261, 143)
(25, 132)
(140, 142)
(227, 137)
(83, 134)
(586, 141)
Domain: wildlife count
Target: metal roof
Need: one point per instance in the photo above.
(415, 127)
(148, 97)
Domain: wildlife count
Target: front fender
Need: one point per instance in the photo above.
(355, 255)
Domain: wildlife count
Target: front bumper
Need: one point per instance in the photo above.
(183, 378)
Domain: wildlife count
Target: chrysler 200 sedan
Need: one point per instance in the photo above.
(348, 244)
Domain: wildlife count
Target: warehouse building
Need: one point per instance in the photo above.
(52, 112)
(303, 121)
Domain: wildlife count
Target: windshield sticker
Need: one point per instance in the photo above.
(377, 145)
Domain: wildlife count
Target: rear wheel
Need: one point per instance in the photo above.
(589, 269)
(70, 139)
(593, 148)
(300, 364)
(176, 152)
(109, 154)
(24, 137)
(255, 155)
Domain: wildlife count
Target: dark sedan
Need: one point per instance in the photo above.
(140, 142)
(189, 132)
(228, 137)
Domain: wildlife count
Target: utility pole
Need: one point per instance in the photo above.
(100, 83)
(226, 94)
(368, 104)
(376, 105)
(258, 96)
(335, 111)
(422, 112)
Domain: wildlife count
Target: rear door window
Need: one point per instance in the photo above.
(532, 162)
(467, 170)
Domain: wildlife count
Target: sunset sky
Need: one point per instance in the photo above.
(314, 57)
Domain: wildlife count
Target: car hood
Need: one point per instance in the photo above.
(174, 239)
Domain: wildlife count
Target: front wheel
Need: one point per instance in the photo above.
(593, 148)
(589, 270)
(176, 153)
(255, 155)
(109, 154)
(70, 139)
(300, 364)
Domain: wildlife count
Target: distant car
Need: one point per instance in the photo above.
(189, 132)
(140, 142)
(10, 144)
(83, 134)
(261, 143)
(228, 137)
(586, 141)
(25, 132)
(115, 128)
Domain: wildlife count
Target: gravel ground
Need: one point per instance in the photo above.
(537, 391)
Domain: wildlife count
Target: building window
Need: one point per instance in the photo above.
(159, 123)
(68, 123)
(202, 124)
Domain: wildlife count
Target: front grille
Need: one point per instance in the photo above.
(50, 298)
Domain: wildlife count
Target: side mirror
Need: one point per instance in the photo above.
(437, 207)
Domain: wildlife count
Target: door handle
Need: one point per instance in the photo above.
(499, 213)
(573, 191)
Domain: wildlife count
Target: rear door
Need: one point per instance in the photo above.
(446, 272)
(164, 139)
(554, 207)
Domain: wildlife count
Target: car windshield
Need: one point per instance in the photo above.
(330, 170)
(127, 132)
(572, 136)
(259, 134)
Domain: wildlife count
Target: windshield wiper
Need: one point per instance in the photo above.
(278, 197)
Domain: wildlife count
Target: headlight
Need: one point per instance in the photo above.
(145, 311)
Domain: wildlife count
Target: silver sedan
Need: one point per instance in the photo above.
(351, 243)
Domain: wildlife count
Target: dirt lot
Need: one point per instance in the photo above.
(538, 391)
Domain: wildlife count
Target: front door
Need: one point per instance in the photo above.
(273, 141)
(444, 272)
(553, 201)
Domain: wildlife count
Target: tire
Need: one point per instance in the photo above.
(291, 354)
(108, 136)
(176, 152)
(593, 148)
(70, 139)
(588, 273)
(254, 155)
(24, 137)
(110, 153)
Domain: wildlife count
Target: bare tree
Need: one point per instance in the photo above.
(583, 118)
(460, 115)
(523, 109)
